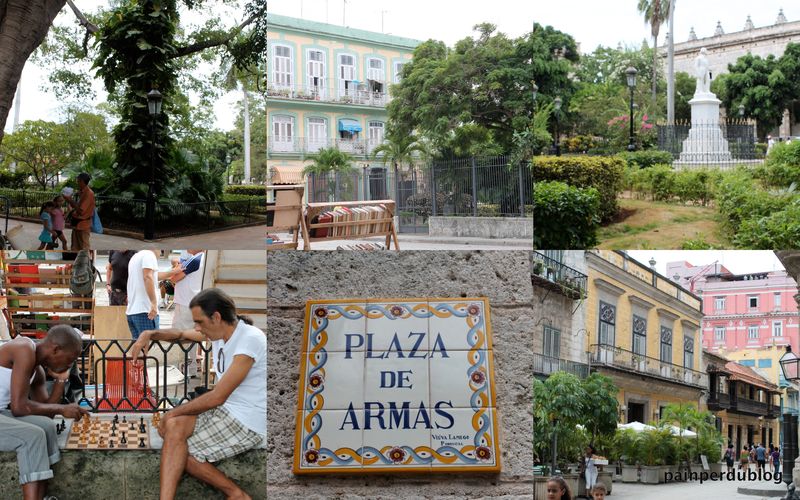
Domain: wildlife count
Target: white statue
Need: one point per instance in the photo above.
(702, 73)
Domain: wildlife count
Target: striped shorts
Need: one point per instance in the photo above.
(217, 435)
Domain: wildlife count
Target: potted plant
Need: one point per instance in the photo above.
(653, 444)
(630, 455)
(538, 267)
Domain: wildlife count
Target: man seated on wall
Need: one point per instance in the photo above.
(226, 421)
(27, 410)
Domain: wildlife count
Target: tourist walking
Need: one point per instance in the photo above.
(761, 457)
(729, 457)
(776, 460)
(588, 469)
(744, 458)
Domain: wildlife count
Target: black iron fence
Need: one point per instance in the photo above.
(710, 144)
(171, 219)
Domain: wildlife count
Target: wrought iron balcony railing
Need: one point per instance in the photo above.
(558, 277)
(719, 401)
(311, 145)
(545, 365)
(358, 94)
(624, 359)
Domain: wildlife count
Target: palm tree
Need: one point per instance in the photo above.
(655, 13)
(671, 64)
(399, 149)
(235, 78)
(329, 161)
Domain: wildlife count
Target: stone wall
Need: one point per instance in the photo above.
(503, 277)
(482, 227)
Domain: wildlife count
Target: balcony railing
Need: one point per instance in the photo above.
(719, 401)
(310, 145)
(546, 365)
(359, 94)
(624, 359)
(558, 277)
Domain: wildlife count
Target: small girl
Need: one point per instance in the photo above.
(58, 220)
(47, 234)
(557, 489)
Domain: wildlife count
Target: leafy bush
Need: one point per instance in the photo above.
(768, 231)
(605, 174)
(738, 199)
(647, 158)
(12, 180)
(565, 217)
(664, 184)
(248, 189)
(782, 167)
(580, 144)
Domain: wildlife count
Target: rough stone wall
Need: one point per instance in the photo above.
(503, 277)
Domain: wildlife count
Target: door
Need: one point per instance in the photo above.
(347, 75)
(375, 135)
(413, 197)
(282, 66)
(316, 74)
(635, 412)
(317, 136)
(283, 133)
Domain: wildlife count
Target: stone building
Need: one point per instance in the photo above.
(643, 332)
(502, 277)
(559, 294)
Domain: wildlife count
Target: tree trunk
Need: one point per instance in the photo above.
(23, 27)
(671, 65)
(655, 70)
(246, 135)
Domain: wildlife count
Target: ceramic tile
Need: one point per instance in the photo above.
(397, 440)
(335, 378)
(399, 381)
(330, 439)
(338, 327)
(459, 325)
(458, 437)
(460, 378)
(397, 328)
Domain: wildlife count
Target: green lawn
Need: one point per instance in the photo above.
(647, 224)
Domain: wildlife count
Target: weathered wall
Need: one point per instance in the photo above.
(503, 277)
(482, 227)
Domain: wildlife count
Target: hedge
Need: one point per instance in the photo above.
(602, 173)
(782, 167)
(248, 189)
(779, 229)
(663, 183)
(647, 158)
(565, 217)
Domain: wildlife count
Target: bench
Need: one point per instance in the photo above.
(349, 220)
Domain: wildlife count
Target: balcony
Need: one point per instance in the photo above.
(755, 408)
(309, 145)
(558, 277)
(359, 95)
(629, 361)
(546, 365)
(718, 401)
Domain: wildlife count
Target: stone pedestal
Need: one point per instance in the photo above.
(705, 144)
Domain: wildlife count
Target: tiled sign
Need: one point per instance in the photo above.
(400, 385)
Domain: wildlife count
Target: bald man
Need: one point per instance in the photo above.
(27, 410)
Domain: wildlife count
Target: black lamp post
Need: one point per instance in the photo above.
(790, 366)
(630, 73)
(741, 110)
(535, 95)
(556, 141)
(154, 100)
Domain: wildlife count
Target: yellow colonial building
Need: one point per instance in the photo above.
(328, 86)
(643, 333)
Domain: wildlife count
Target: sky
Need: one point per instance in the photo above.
(737, 261)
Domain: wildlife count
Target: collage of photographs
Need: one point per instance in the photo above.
(374, 249)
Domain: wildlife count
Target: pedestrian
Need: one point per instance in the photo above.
(47, 236)
(770, 143)
(588, 469)
(82, 213)
(776, 460)
(117, 276)
(142, 286)
(761, 457)
(769, 456)
(557, 489)
(58, 220)
(599, 492)
(744, 458)
(188, 282)
(752, 454)
(729, 453)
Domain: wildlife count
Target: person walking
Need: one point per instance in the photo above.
(761, 457)
(142, 287)
(776, 460)
(82, 213)
(47, 236)
(744, 458)
(729, 457)
(58, 220)
(588, 469)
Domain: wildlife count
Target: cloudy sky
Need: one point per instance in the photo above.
(737, 261)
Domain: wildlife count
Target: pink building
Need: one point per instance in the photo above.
(742, 311)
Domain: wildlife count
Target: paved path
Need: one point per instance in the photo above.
(716, 490)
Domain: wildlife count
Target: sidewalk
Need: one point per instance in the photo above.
(424, 242)
(708, 490)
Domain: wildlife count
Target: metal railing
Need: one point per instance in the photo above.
(547, 365)
(569, 282)
(700, 144)
(609, 355)
(112, 382)
(311, 145)
(754, 407)
(358, 94)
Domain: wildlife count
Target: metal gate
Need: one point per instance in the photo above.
(413, 196)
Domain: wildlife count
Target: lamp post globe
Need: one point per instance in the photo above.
(741, 110)
(630, 75)
(557, 108)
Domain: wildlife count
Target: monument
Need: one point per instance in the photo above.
(706, 144)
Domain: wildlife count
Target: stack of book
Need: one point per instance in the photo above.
(351, 214)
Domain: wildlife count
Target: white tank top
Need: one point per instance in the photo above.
(5, 385)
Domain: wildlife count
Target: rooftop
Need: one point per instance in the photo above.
(747, 374)
(284, 23)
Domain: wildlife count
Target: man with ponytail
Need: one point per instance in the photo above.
(226, 421)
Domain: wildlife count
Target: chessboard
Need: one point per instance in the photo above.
(95, 433)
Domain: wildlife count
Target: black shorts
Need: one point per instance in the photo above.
(761, 463)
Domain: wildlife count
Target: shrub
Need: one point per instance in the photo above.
(739, 199)
(565, 217)
(12, 180)
(778, 229)
(247, 189)
(579, 144)
(782, 167)
(647, 158)
(605, 174)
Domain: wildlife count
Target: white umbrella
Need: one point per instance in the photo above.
(676, 431)
(636, 426)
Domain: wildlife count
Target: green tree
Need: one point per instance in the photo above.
(655, 13)
(39, 148)
(558, 407)
(400, 150)
(601, 407)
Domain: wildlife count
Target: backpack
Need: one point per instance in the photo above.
(82, 281)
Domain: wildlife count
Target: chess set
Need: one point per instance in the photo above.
(109, 434)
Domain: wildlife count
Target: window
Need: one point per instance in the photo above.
(752, 301)
(347, 74)
(552, 342)
(639, 335)
(719, 303)
(316, 72)
(608, 318)
(752, 332)
(688, 352)
(666, 344)
(282, 74)
(765, 363)
(719, 333)
(283, 132)
(777, 329)
(747, 362)
(398, 71)
(777, 300)
(317, 134)
(375, 70)
(375, 131)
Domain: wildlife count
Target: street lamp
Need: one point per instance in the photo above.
(154, 100)
(741, 110)
(557, 108)
(227, 168)
(630, 73)
(790, 366)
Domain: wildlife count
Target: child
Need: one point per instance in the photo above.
(599, 491)
(557, 489)
(58, 220)
(47, 234)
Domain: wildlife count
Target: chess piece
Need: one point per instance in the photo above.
(92, 439)
(124, 420)
(124, 439)
(141, 443)
(113, 425)
(116, 418)
(110, 443)
(113, 431)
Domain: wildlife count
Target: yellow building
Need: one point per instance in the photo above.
(643, 333)
(328, 86)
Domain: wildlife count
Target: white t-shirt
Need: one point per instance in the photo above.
(248, 402)
(138, 301)
(188, 287)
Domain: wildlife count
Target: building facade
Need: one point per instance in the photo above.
(327, 86)
(644, 333)
(559, 294)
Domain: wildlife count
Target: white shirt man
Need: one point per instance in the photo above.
(143, 277)
(188, 283)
